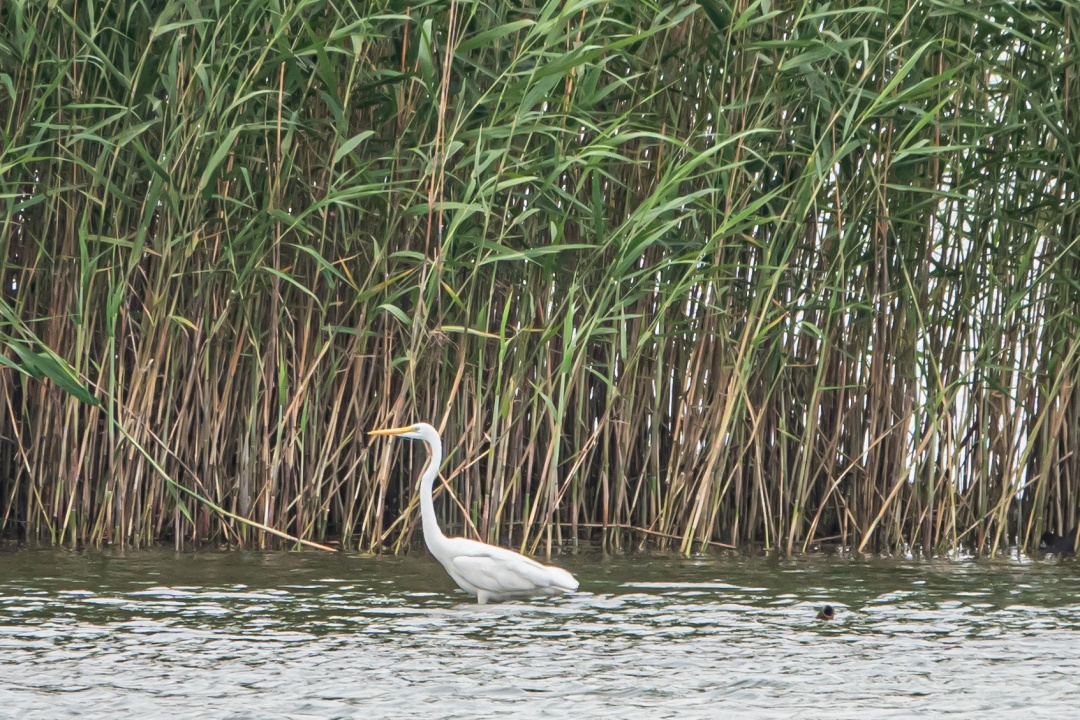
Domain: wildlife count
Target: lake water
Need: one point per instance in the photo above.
(307, 635)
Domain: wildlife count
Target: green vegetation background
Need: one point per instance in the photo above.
(764, 272)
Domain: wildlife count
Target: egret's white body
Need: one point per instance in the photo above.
(490, 573)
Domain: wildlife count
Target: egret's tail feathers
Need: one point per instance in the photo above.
(563, 580)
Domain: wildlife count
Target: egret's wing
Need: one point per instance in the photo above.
(496, 576)
(504, 572)
(549, 575)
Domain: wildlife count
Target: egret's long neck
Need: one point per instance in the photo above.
(432, 533)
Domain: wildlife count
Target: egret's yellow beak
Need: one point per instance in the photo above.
(393, 431)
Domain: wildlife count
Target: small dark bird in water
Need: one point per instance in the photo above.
(1058, 544)
(827, 613)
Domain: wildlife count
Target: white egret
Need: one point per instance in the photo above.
(490, 573)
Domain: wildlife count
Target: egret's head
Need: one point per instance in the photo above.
(419, 431)
(412, 432)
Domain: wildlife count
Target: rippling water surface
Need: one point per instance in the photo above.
(248, 635)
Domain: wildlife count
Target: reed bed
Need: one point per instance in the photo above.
(685, 275)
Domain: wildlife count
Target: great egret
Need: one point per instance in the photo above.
(488, 572)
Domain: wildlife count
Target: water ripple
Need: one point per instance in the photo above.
(248, 635)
